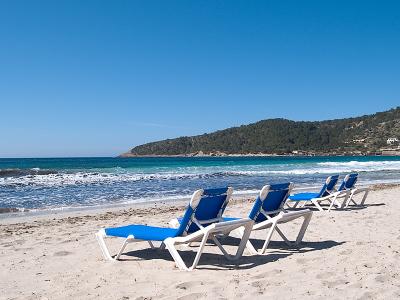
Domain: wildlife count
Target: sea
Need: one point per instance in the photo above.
(53, 184)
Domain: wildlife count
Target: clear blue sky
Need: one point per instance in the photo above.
(94, 78)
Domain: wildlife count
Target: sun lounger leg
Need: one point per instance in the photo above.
(239, 233)
(307, 219)
(170, 245)
(317, 205)
(245, 239)
(334, 201)
(350, 198)
(302, 203)
(268, 238)
(243, 233)
(249, 246)
(366, 191)
(283, 236)
(126, 242)
(290, 204)
(100, 235)
(346, 198)
(355, 192)
(199, 251)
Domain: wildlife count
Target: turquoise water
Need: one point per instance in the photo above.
(58, 183)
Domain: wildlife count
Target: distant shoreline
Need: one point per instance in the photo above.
(130, 155)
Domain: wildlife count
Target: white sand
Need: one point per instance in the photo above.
(346, 254)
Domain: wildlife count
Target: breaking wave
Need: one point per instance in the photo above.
(81, 183)
(38, 177)
(362, 165)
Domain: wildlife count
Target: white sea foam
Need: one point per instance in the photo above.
(85, 178)
(363, 165)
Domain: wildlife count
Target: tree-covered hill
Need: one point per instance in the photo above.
(280, 136)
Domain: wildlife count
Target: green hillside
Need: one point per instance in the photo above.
(363, 134)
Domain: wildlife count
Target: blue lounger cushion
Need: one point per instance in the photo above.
(229, 219)
(142, 232)
(328, 186)
(303, 196)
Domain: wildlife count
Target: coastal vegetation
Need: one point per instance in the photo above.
(360, 135)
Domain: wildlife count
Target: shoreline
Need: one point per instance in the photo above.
(90, 210)
(30, 216)
(193, 155)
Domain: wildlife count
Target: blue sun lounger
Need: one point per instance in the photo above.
(205, 205)
(267, 213)
(327, 193)
(348, 190)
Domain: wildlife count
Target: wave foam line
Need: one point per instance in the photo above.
(52, 178)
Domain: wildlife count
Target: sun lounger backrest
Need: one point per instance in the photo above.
(270, 201)
(187, 217)
(209, 208)
(348, 182)
(352, 181)
(329, 185)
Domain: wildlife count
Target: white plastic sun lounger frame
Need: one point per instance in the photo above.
(205, 233)
(348, 195)
(332, 198)
(354, 192)
(272, 223)
(210, 232)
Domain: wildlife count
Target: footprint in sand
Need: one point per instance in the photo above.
(325, 275)
(332, 284)
(382, 278)
(188, 285)
(14, 243)
(193, 296)
(23, 249)
(65, 241)
(346, 252)
(260, 284)
(263, 275)
(356, 285)
(301, 261)
(368, 295)
(62, 253)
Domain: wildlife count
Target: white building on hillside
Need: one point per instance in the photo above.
(392, 141)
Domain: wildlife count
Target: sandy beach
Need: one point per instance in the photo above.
(352, 254)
